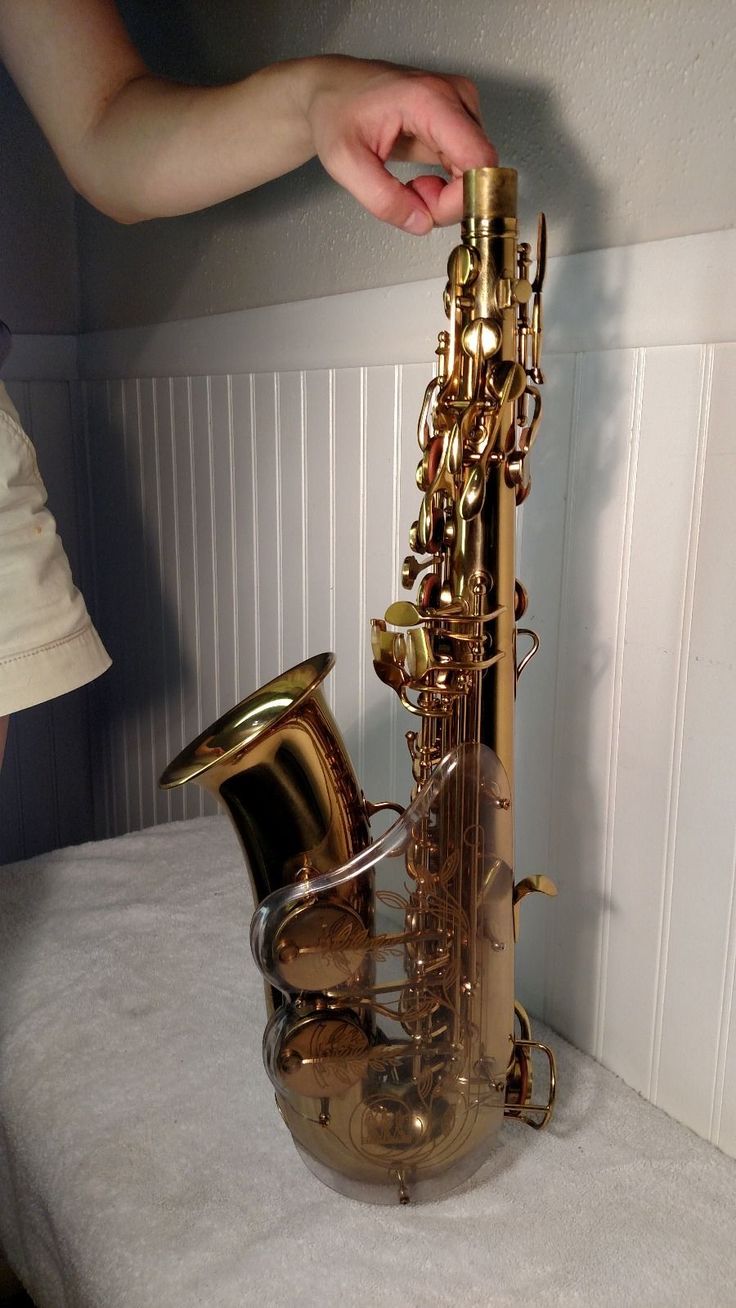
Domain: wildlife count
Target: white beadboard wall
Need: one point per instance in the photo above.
(251, 483)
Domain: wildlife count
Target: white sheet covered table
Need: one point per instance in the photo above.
(143, 1163)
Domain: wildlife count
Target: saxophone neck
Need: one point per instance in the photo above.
(489, 193)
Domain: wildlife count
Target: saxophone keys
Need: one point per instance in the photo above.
(507, 381)
(430, 592)
(447, 598)
(535, 372)
(418, 653)
(378, 634)
(539, 885)
(462, 266)
(473, 493)
(385, 644)
(521, 599)
(425, 526)
(402, 613)
(523, 258)
(449, 527)
(518, 1103)
(319, 946)
(391, 675)
(475, 426)
(534, 638)
(411, 568)
(425, 429)
(517, 474)
(481, 338)
(522, 290)
(541, 254)
(454, 457)
(429, 464)
(321, 1056)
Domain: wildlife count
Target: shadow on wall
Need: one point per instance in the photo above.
(224, 40)
(139, 482)
(558, 178)
(250, 250)
(45, 780)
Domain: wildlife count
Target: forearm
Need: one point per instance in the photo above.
(160, 149)
(138, 146)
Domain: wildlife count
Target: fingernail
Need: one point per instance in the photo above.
(418, 223)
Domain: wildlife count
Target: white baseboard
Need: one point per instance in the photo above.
(659, 293)
(42, 358)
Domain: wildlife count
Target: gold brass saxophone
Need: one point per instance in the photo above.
(393, 1040)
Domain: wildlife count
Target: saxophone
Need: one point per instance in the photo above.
(393, 1040)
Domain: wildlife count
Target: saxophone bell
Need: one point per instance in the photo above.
(278, 765)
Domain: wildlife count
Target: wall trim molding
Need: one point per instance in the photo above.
(657, 293)
(42, 358)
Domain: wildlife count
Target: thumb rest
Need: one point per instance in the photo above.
(393, 1039)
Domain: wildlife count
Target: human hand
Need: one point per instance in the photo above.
(362, 113)
(138, 146)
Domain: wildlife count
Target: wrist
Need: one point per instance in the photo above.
(317, 75)
(322, 79)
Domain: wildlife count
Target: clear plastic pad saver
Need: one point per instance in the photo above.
(390, 1050)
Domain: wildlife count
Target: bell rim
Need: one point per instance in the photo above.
(190, 763)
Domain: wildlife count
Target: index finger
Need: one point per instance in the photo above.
(442, 122)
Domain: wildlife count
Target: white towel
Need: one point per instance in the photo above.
(143, 1163)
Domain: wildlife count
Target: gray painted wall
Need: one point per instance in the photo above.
(39, 284)
(619, 117)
